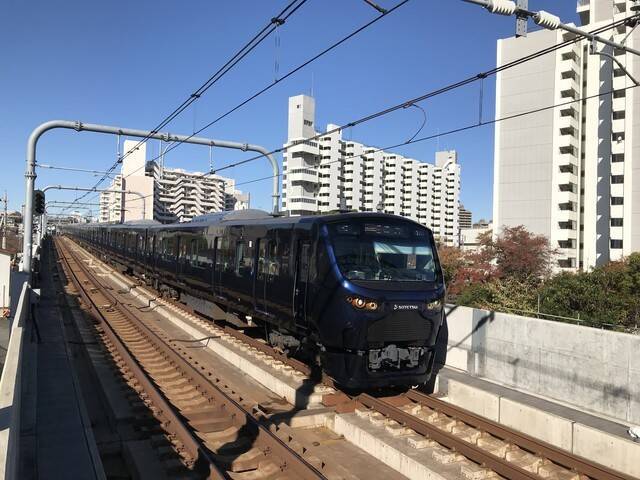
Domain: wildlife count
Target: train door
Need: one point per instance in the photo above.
(301, 280)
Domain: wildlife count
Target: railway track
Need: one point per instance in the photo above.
(215, 435)
(496, 450)
(482, 448)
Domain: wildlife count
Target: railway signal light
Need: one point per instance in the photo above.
(38, 202)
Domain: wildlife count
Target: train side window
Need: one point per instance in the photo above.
(273, 265)
(193, 252)
(263, 266)
(150, 241)
(222, 254)
(284, 250)
(304, 261)
(204, 254)
(184, 249)
(239, 260)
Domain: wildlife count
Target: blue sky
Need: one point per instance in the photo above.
(130, 63)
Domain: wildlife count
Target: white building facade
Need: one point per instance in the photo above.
(571, 173)
(170, 194)
(329, 174)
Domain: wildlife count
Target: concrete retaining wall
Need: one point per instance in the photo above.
(10, 386)
(593, 369)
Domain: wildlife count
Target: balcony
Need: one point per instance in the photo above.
(303, 175)
(567, 144)
(619, 104)
(568, 216)
(567, 181)
(617, 125)
(567, 196)
(568, 88)
(567, 164)
(568, 122)
(620, 82)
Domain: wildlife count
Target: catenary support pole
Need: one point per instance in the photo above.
(30, 173)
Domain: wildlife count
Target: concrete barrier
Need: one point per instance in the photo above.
(10, 388)
(596, 370)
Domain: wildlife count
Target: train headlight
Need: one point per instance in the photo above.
(435, 305)
(362, 303)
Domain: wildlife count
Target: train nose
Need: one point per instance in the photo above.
(401, 324)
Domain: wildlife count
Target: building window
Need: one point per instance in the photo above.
(616, 222)
(617, 201)
(616, 244)
(617, 178)
(617, 157)
(619, 115)
(619, 94)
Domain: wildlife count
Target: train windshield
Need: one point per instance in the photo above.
(374, 250)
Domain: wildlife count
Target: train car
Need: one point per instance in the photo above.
(363, 292)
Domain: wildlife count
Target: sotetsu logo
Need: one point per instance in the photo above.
(404, 307)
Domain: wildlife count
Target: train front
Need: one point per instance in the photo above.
(385, 304)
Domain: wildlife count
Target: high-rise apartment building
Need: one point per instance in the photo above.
(170, 194)
(466, 218)
(571, 173)
(330, 173)
(180, 195)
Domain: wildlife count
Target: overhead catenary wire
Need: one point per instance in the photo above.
(258, 38)
(469, 80)
(291, 72)
(453, 86)
(465, 128)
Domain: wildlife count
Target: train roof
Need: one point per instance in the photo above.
(249, 217)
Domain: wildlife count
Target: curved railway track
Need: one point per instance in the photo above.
(214, 434)
(492, 449)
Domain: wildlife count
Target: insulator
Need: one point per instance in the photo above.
(502, 7)
(547, 20)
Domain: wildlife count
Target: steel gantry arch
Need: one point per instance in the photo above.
(30, 173)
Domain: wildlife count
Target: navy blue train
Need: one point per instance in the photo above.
(360, 292)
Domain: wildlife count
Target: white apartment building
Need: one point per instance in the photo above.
(330, 174)
(571, 173)
(470, 237)
(466, 218)
(170, 194)
(180, 195)
(111, 202)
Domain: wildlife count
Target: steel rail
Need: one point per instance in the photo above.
(170, 418)
(290, 460)
(474, 453)
(522, 440)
